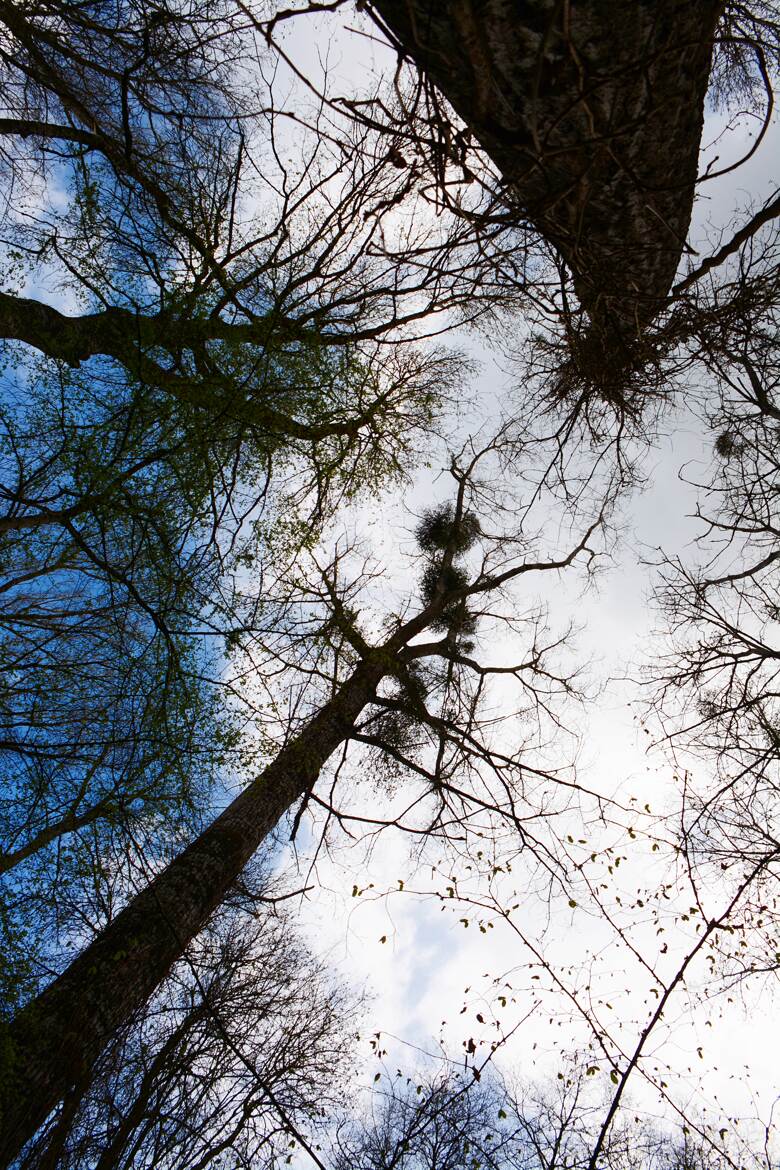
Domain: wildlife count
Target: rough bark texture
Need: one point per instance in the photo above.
(52, 1043)
(593, 111)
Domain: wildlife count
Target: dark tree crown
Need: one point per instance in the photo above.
(455, 618)
(439, 529)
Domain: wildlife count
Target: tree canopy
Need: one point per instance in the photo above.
(279, 573)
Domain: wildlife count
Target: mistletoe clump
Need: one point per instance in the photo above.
(439, 529)
(443, 535)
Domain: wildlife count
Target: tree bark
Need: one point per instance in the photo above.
(52, 1043)
(121, 333)
(593, 111)
(132, 338)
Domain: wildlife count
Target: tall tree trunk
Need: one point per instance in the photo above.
(52, 1043)
(593, 111)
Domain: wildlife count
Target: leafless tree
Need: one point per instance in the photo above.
(448, 1121)
(235, 356)
(351, 684)
(243, 1052)
(439, 1122)
(715, 690)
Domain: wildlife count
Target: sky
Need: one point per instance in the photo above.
(412, 952)
(431, 963)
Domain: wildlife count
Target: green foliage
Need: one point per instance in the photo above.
(109, 725)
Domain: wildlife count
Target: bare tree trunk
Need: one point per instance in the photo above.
(593, 111)
(52, 1043)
